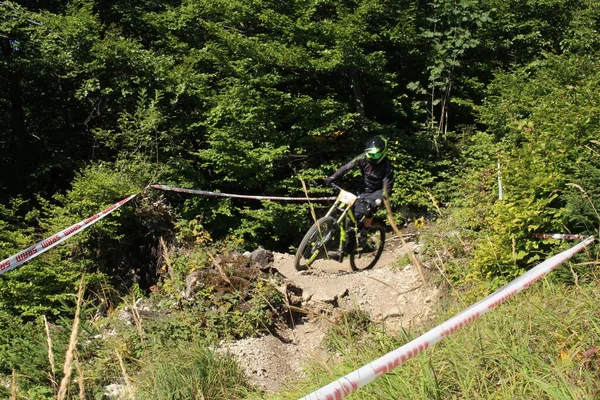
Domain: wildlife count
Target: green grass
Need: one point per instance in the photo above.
(541, 344)
(544, 343)
(190, 372)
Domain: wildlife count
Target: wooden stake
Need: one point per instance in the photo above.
(411, 255)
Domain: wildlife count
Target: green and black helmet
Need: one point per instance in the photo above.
(376, 148)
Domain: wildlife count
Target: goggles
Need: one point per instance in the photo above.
(374, 154)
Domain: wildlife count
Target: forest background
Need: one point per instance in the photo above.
(99, 99)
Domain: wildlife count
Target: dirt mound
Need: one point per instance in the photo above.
(390, 293)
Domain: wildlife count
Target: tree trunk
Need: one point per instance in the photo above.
(16, 139)
(358, 96)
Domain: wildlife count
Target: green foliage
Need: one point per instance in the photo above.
(199, 372)
(24, 347)
(242, 147)
(347, 330)
(234, 305)
(138, 132)
(273, 225)
(450, 33)
(582, 199)
(233, 95)
(218, 312)
(15, 231)
(507, 248)
(40, 285)
(102, 99)
(542, 121)
(582, 37)
(23, 350)
(418, 172)
(533, 346)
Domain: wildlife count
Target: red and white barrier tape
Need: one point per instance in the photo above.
(241, 196)
(558, 236)
(359, 378)
(46, 244)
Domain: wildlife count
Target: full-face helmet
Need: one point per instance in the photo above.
(376, 148)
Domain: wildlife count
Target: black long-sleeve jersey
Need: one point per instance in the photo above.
(376, 175)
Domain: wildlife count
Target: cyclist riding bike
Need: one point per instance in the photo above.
(378, 175)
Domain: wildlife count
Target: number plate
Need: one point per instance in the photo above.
(346, 197)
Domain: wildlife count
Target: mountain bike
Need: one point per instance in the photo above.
(334, 236)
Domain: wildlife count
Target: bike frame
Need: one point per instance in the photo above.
(343, 203)
(340, 229)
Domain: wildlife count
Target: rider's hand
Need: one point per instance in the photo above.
(328, 181)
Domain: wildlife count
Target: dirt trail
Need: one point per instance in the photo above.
(392, 294)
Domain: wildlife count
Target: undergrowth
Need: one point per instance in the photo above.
(198, 373)
(542, 344)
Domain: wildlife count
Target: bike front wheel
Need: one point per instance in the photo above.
(366, 257)
(314, 244)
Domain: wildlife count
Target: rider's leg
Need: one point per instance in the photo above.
(367, 207)
(364, 223)
(364, 211)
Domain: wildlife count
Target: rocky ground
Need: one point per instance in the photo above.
(392, 293)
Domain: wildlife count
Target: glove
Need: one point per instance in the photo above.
(328, 181)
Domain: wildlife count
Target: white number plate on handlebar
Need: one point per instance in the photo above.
(347, 197)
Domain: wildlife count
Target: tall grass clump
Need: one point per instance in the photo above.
(542, 344)
(348, 328)
(191, 372)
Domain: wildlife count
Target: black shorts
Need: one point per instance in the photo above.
(366, 204)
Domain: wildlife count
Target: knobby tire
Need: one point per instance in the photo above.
(366, 258)
(313, 244)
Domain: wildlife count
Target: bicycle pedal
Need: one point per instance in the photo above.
(334, 255)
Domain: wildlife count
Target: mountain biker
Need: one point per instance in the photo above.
(378, 175)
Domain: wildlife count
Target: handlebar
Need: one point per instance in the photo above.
(338, 188)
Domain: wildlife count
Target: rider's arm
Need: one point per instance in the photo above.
(346, 167)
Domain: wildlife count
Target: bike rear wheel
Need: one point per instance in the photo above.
(366, 257)
(314, 244)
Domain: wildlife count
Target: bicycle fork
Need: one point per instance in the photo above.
(348, 228)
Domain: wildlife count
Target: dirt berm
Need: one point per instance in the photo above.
(391, 293)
